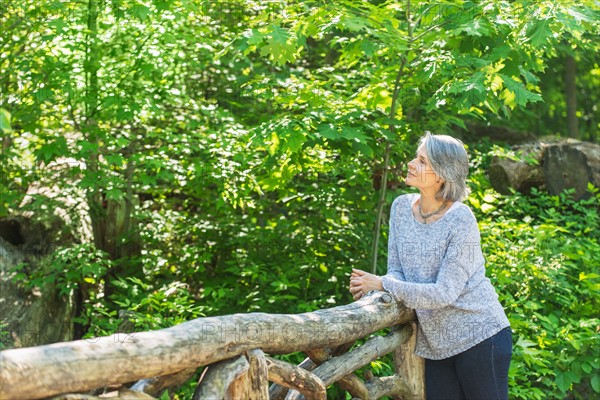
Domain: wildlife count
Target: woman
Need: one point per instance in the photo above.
(435, 265)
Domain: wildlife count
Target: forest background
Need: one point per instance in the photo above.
(213, 157)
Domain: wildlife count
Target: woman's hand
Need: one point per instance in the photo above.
(362, 282)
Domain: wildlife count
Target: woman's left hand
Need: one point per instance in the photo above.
(362, 282)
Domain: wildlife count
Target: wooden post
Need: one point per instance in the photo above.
(220, 376)
(252, 385)
(410, 367)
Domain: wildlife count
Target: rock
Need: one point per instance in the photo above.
(506, 173)
(555, 164)
(572, 164)
(26, 317)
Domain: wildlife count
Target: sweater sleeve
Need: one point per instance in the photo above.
(461, 259)
(394, 267)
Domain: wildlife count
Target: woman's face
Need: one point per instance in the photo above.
(420, 174)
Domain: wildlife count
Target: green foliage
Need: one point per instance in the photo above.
(75, 272)
(541, 252)
(67, 269)
(151, 309)
(253, 134)
(4, 121)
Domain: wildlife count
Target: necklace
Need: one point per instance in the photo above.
(427, 215)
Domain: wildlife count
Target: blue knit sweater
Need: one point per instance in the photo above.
(439, 270)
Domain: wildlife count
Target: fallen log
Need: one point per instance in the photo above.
(336, 368)
(155, 386)
(350, 383)
(291, 376)
(392, 386)
(122, 393)
(278, 392)
(377, 346)
(83, 365)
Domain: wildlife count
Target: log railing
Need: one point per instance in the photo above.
(235, 348)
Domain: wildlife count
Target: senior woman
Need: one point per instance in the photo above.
(435, 265)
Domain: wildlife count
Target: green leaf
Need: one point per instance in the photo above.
(5, 120)
(353, 23)
(587, 368)
(475, 27)
(539, 32)
(114, 194)
(51, 150)
(564, 379)
(279, 46)
(256, 37)
(500, 52)
(147, 179)
(42, 94)
(87, 147)
(110, 100)
(294, 140)
(516, 93)
(115, 159)
(161, 5)
(363, 148)
(140, 11)
(596, 383)
(368, 47)
(529, 77)
(165, 396)
(329, 131)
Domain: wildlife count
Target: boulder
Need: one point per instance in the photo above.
(28, 318)
(520, 173)
(553, 164)
(572, 164)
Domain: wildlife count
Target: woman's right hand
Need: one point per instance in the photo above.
(355, 292)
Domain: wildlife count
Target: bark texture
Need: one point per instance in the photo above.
(83, 365)
(411, 367)
(297, 378)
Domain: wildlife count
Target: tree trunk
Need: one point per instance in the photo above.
(398, 85)
(39, 372)
(571, 97)
(91, 66)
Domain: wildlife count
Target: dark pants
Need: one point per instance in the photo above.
(479, 373)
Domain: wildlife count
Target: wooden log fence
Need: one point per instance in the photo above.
(237, 351)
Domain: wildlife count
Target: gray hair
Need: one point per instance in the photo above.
(449, 159)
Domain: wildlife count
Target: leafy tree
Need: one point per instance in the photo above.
(240, 155)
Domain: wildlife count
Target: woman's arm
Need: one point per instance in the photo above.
(463, 257)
